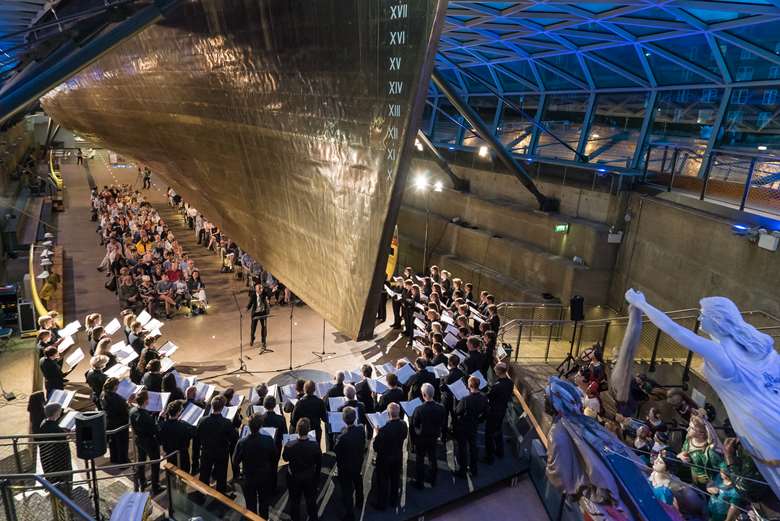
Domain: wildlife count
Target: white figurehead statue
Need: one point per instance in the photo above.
(741, 364)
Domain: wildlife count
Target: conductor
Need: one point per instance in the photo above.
(259, 306)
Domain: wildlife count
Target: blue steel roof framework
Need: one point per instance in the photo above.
(593, 51)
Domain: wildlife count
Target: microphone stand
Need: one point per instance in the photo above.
(323, 355)
(242, 365)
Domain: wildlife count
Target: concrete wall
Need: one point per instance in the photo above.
(677, 255)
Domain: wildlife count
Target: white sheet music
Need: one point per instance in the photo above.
(269, 431)
(287, 438)
(259, 409)
(439, 370)
(352, 376)
(144, 317)
(323, 388)
(73, 359)
(192, 414)
(153, 325)
(410, 406)
(272, 390)
(446, 319)
(68, 422)
(237, 400)
(116, 347)
(157, 401)
(404, 373)
(378, 419)
(166, 364)
(61, 397)
(289, 392)
(126, 355)
(65, 344)
(451, 340)
(378, 385)
(229, 412)
(385, 369)
(460, 354)
(204, 391)
(335, 403)
(184, 382)
(168, 348)
(336, 421)
(71, 329)
(458, 389)
(126, 388)
(117, 371)
(500, 352)
(482, 381)
(112, 327)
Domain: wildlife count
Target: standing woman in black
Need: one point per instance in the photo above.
(96, 377)
(117, 415)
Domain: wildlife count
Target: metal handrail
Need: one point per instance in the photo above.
(56, 434)
(64, 498)
(72, 472)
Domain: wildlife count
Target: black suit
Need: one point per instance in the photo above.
(336, 391)
(313, 408)
(176, 435)
(259, 457)
(363, 393)
(448, 401)
(53, 376)
(469, 413)
(117, 415)
(215, 437)
(498, 397)
(280, 424)
(440, 359)
(152, 381)
(349, 449)
(359, 409)
(415, 383)
(95, 379)
(426, 426)
(474, 361)
(388, 445)
(259, 308)
(147, 444)
(55, 453)
(391, 395)
(305, 464)
(136, 341)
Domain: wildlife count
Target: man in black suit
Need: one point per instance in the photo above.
(364, 390)
(259, 457)
(421, 377)
(498, 396)
(337, 390)
(259, 308)
(215, 436)
(475, 357)
(448, 401)
(176, 435)
(277, 421)
(427, 424)
(438, 354)
(388, 445)
(51, 367)
(351, 395)
(469, 413)
(55, 451)
(394, 394)
(312, 407)
(305, 464)
(147, 442)
(349, 449)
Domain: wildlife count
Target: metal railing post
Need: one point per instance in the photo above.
(674, 170)
(748, 182)
(17, 456)
(687, 371)
(8, 500)
(549, 339)
(169, 482)
(519, 335)
(705, 180)
(651, 369)
(604, 335)
(647, 163)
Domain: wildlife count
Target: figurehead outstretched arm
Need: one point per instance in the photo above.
(711, 351)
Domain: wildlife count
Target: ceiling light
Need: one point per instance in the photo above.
(762, 147)
(421, 182)
(483, 151)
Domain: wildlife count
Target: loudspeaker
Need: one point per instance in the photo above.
(27, 317)
(90, 434)
(577, 308)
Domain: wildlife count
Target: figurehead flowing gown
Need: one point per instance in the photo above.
(751, 395)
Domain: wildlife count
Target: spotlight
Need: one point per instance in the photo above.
(418, 145)
(483, 151)
(438, 186)
(740, 229)
(762, 147)
(421, 182)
